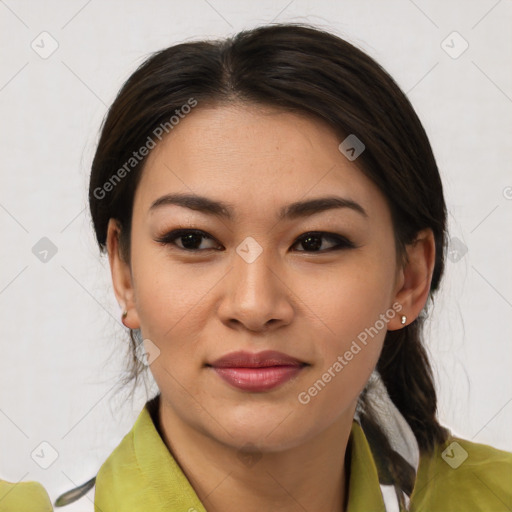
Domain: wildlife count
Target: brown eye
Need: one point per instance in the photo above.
(312, 242)
(191, 239)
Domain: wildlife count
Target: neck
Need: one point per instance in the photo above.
(310, 476)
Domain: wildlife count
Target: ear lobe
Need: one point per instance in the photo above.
(121, 275)
(415, 278)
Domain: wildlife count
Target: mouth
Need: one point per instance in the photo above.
(258, 372)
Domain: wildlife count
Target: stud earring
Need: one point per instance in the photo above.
(403, 319)
(125, 314)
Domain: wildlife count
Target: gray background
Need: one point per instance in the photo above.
(63, 346)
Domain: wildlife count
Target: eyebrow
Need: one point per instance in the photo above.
(224, 210)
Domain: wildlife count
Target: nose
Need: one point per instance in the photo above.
(256, 296)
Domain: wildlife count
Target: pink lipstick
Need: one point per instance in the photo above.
(258, 372)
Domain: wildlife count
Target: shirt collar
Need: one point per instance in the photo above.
(143, 461)
(363, 488)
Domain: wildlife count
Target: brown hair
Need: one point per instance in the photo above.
(309, 71)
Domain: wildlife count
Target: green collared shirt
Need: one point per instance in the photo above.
(142, 475)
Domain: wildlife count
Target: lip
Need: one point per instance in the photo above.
(257, 372)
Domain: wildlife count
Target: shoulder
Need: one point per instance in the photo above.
(27, 496)
(463, 475)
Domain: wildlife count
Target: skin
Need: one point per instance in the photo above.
(311, 305)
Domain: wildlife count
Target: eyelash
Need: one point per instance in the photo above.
(343, 242)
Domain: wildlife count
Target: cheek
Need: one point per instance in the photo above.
(348, 299)
(352, 309)
(346, 353)
(169, 299)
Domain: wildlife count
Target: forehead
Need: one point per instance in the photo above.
(253, 156)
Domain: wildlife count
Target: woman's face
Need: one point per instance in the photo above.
(254, 283)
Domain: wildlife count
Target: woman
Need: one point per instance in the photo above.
(275, 225)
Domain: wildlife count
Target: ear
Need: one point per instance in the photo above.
(121, 276)
(414, 278)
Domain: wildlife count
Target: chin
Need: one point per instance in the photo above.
(270, 430)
